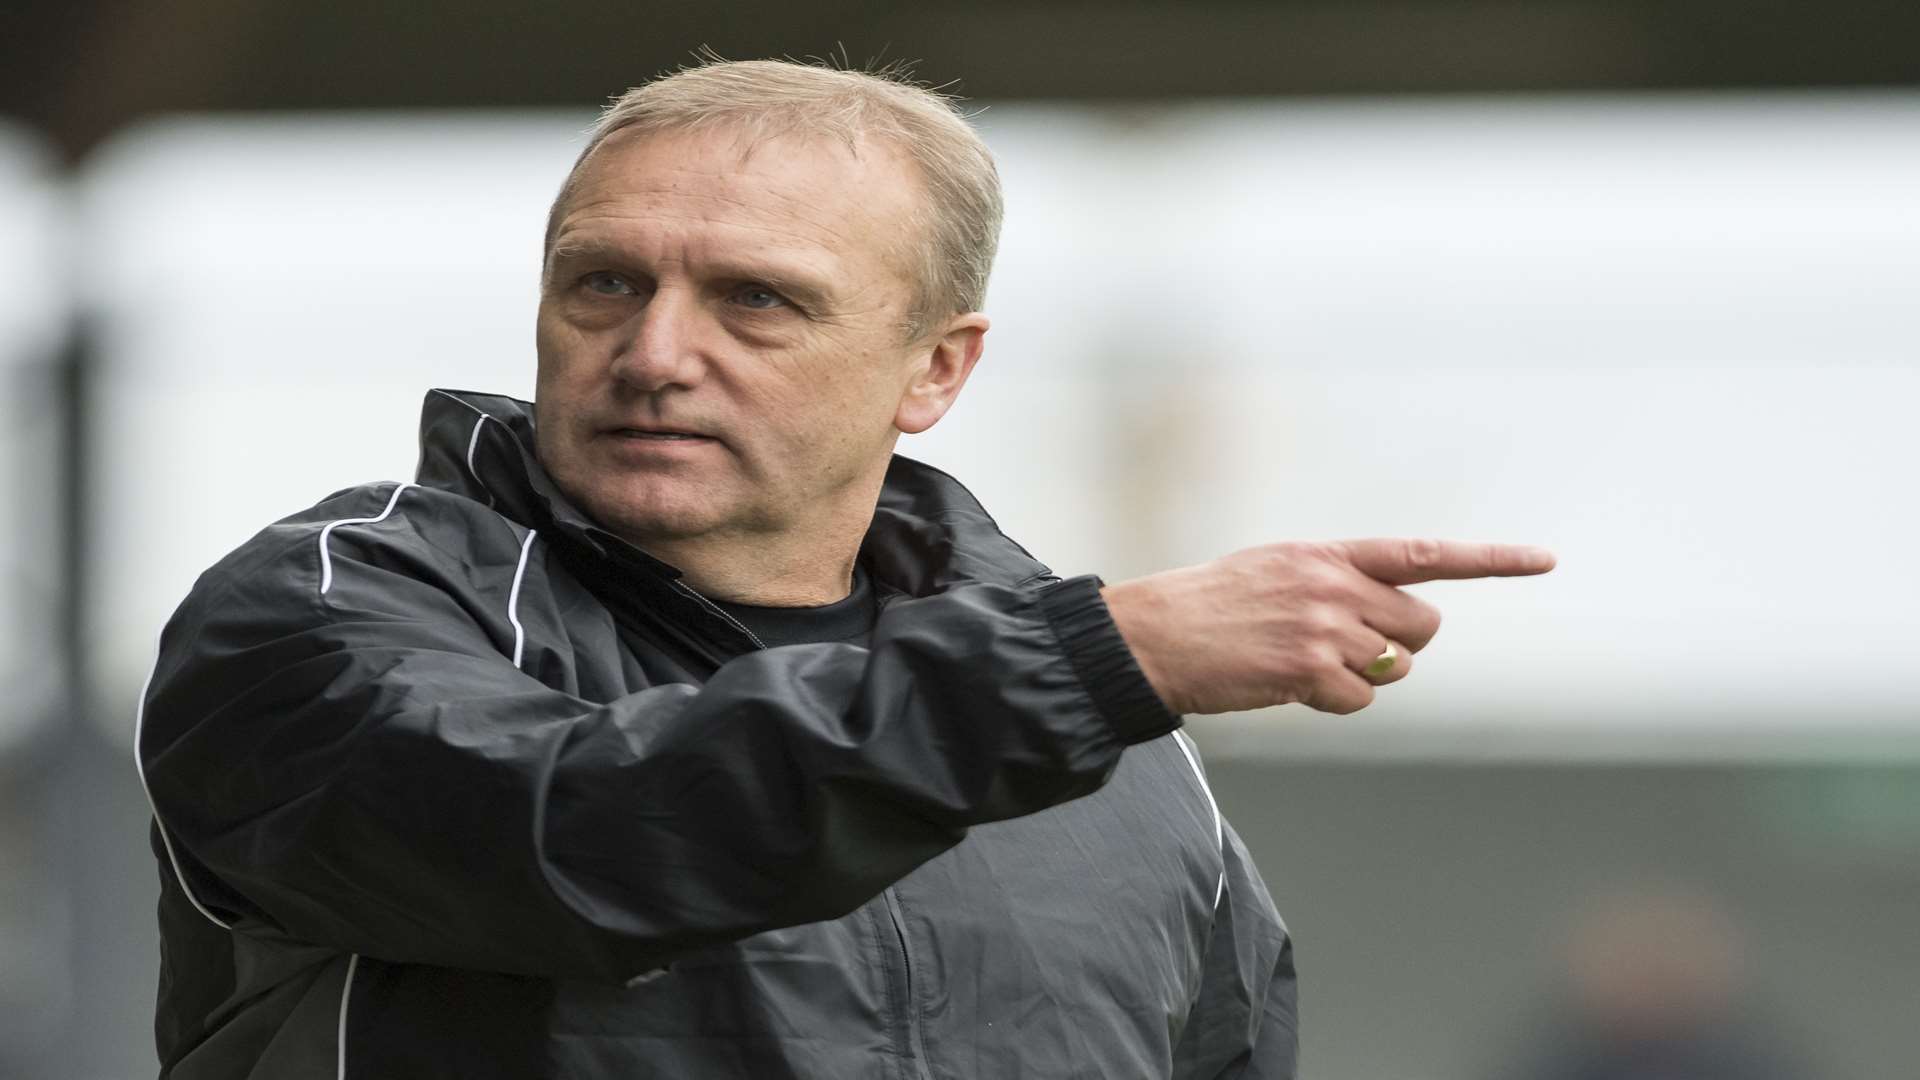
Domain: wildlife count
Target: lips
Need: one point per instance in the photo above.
(655, 433)
(655, 443)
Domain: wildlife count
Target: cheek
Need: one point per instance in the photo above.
(561, 386)
(564, 352)
(549, 353)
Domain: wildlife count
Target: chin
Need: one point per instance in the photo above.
(632, 503)
(661, 509)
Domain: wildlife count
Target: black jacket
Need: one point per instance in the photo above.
(449, 782)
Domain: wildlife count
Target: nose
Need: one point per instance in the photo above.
(661, 349)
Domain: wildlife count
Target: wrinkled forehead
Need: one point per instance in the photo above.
(857, 197)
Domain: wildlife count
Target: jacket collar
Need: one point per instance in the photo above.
(929, 533)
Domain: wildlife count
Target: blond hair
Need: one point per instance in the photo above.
(959, 226)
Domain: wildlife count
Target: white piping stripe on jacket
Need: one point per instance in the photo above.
(326, 560)
(346, 992)
(1219, 830)
(513, 597)
(139, 720)
(473, 443)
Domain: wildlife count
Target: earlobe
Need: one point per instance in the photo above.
(946, 362)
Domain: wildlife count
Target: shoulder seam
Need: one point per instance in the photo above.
(326, 533)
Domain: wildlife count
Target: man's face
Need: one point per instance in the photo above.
(720, 335)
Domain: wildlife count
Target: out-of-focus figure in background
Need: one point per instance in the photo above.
(1653, 989)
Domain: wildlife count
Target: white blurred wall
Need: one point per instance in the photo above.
(1672, 337)
(33, 302)
(35, 989)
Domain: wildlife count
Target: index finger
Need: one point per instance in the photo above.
(1407, 562)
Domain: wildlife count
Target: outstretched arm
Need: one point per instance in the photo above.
(364, 769)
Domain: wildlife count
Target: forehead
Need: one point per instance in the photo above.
(849, 204)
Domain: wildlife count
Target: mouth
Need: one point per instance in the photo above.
(661, 434)
(655, 444)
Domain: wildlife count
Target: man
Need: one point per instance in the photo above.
(674, 727)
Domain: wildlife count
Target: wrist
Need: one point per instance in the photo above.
(1105, 663)
(1131, 606)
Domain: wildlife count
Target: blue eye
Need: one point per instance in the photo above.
(607, 284)
(760, 298)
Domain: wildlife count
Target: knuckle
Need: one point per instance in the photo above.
(1296, 552)
(1272, 569)
(1326, 579)
(1253, 567)
(1327, 663)
(1424, 554)
(1323, 619)
(1285, 551)
(1292, 560)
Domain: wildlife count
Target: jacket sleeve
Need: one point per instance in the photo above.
(363, 768)
(1245, 1024)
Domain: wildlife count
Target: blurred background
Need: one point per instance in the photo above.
(1639, 281)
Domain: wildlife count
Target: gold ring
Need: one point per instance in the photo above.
(1383, 663)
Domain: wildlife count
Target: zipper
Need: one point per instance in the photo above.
(687, 590)
(916, 1042)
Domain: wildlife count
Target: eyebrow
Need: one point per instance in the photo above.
(795, 282)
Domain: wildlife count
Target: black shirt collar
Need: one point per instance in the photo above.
(848, 619)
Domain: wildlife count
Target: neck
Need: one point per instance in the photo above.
(762, 571)
(808, 565)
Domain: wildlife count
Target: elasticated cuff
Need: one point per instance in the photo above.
(1100, 656)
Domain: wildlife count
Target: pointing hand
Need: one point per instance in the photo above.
(1322, 624)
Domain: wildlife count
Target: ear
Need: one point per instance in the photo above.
(942, 362)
